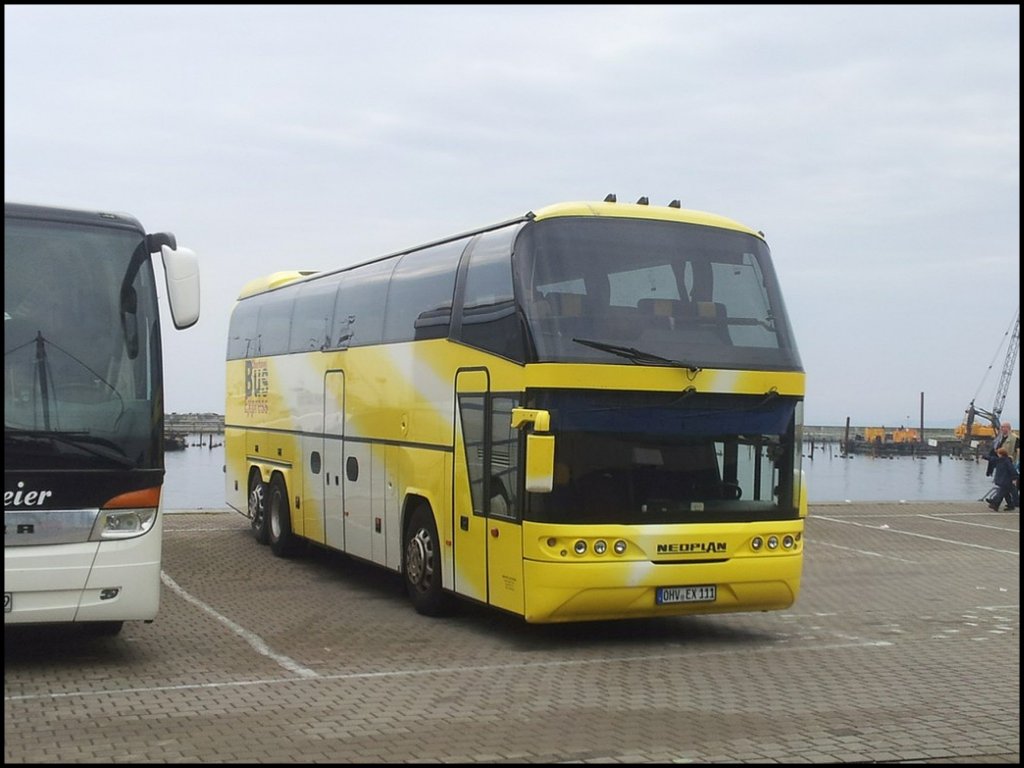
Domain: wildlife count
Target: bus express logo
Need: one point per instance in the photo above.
(257, 387)
(692, 547)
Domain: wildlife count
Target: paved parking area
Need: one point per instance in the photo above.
(903, 647)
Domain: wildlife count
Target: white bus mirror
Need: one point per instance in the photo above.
(181, 269)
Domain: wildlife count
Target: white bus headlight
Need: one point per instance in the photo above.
(123, 523)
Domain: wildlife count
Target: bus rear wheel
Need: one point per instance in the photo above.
(422, 564)
(258, 507)
(279, 520)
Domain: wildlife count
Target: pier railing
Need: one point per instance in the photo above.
(854, 440)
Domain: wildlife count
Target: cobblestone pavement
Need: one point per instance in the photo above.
(903, 647)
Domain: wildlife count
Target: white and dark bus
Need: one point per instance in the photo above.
(83, 413)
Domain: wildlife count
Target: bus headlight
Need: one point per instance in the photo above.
(787, 542)
(600, 547)
(773, 542)
(756, 543)
(619, 547)
(579, 547)
(123, 523)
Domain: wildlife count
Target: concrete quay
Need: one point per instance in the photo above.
(903, 647)
(194, 423)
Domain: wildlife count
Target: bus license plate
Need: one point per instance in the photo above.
(8, 601)
(702, 593)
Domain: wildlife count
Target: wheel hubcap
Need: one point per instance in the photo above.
(257, 504)
(418, 560)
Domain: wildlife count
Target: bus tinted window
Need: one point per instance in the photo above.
(489, 318)
(359, 308)
(741, 287)
(274, 325)
(80, 340)
(242, 331)
(420, 295)
(706, 296)
(311, 320)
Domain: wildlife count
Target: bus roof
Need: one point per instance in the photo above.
(71, 215)
(273, 280)
(607, 208)
(642, 211)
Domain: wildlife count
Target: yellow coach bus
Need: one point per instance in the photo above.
(591, 411)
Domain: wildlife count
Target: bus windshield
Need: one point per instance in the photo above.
(652, 293)
(81, 347)
(638, 458)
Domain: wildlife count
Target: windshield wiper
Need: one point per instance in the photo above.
(99, 447)
(637, 356)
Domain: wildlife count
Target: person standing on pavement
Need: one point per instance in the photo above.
(1008, 439)
(1004, 475)
(1005, 438)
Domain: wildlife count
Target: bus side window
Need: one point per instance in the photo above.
(311, 321)
(359, 306)
(421, 288)
(274, 325)
(242, 330)
(489, 318)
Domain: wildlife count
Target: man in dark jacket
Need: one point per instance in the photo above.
(1004, 473)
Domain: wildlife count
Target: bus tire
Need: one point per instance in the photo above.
(279, 519)
(421, 564)
(258, 507)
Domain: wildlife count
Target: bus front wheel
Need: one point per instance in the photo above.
(422, 566)
(258, 507)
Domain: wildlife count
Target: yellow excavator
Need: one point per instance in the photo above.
(972, 427)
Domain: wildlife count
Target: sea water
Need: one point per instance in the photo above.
(195, 477)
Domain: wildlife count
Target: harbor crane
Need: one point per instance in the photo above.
(969, 429)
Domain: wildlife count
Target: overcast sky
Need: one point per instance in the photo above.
(878, 148)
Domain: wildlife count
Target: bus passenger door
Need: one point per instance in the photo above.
(333, 471)
(469, 523)
(488, 533)
(504, 509)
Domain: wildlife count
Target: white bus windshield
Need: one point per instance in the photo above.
(81, 347)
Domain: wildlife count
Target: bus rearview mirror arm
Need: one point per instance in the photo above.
(540, 448)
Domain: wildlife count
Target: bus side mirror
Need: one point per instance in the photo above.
(181, 270)
(540, 448)
(540, 463)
